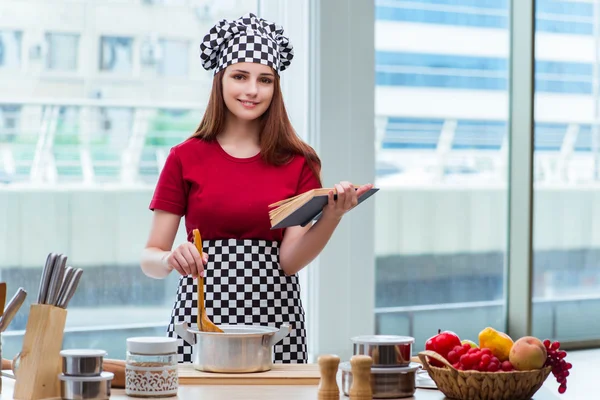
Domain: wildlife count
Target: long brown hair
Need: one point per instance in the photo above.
(278, 139)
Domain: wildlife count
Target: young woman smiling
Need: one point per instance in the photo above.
(244, 156)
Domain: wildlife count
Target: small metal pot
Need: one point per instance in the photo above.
(386, 383)
(385, 350)
(239, 349)
(85, 387)
(82, 362)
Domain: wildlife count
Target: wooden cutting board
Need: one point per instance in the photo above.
(280, 374)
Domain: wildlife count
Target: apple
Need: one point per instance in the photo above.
(528, 353)
(470, 343)
(442, 343)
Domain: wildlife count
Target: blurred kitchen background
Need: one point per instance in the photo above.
(94, 92)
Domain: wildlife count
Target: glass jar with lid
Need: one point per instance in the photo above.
(151, 367)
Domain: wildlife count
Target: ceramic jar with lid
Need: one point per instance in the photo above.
(151, 367)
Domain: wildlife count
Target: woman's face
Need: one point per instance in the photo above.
(248, 89)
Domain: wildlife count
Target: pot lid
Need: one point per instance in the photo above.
(347, 367)
(82, 353)
(152, 345)
(235, 330)
(383, 339)
(104, 376)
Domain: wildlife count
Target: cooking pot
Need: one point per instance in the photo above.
(239, 349)
(385, 350)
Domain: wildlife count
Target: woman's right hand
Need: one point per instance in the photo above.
(186, 260)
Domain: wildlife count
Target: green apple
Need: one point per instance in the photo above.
(470, 343)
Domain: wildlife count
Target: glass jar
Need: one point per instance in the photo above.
(151, 367)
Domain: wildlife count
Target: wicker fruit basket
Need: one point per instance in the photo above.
(475, 385)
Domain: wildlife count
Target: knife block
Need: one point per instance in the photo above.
(39, 361)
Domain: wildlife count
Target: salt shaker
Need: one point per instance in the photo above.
(361, 378)
(328, 387)
(151, 367)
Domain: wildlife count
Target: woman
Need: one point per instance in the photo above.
(244, 156)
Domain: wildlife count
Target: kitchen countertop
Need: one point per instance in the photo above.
(257, 392)
(581, 385)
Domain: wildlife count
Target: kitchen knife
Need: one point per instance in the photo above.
(56, 279)
(45, 280)
(65, 284)
(12, 307)
(76, 276)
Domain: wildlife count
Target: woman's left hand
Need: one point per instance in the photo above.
(347, 198)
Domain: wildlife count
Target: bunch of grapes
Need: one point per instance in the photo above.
(560, 367)
(465, 358)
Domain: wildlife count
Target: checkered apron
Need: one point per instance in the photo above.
(244, 285)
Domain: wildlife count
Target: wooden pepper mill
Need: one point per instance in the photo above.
(361, 378)
(328, 387)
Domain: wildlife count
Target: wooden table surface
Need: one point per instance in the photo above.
(256, 392)
(581, 386)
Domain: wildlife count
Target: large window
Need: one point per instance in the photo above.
(80, 155)
(442, 145)
(441, 217)
(567, 176)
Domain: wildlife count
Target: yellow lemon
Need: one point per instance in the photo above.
(498, 342)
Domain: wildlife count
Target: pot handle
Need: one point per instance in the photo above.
(283, 331)
(182, 330)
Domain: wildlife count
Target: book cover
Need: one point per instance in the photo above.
(312, 210)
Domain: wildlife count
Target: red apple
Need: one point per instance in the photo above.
(442, 343)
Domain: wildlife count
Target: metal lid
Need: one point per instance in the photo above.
(104, 376)
(382, 339)
(347, 367)
(152, 345)
(238, 330)
(76, 353)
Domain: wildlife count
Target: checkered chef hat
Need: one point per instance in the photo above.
(247, 39)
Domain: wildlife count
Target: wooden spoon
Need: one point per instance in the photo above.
(2, 297)
(204, 323)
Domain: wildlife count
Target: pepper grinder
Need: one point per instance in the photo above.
(361, 378)
(328, 387)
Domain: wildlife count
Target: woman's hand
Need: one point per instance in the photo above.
(347, 198)
(186, 260)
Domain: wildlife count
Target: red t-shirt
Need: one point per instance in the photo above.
(227, 197)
